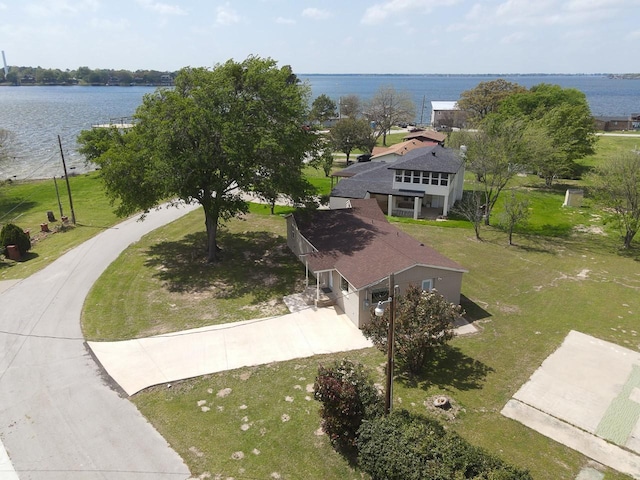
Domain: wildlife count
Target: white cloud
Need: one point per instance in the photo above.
(470, 38)
(110, 25)
(316, 13)
(285, 21)
(3, 6)
(64, 7)
(517, 37)
(379, 12)
(161, 8)
(634, 35)
(225, 15)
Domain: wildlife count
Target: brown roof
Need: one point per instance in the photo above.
(398, 149)
(363, 246)
(427, 135)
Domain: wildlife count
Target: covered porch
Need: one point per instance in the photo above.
(418, 207)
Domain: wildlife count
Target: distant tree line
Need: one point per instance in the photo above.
(84, 76)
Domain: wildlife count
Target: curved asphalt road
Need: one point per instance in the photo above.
(59, 418)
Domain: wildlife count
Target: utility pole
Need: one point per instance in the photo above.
(58, 196)
(388, 400)
(66, 176)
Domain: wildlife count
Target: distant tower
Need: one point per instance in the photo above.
(6, 69)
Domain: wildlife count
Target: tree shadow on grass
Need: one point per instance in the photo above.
(14, 207)
(449, 367)
(252, 263)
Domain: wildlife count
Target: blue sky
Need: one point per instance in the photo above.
(328, 36)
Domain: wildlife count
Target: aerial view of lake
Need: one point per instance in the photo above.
(37, 115)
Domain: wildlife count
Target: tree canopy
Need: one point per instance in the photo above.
(351, 133)
(563, 122)
(350, 106)
(388, 108)
(220, 132)
(322, 109)
(423, 321)
(495, 154)
(616, 184)
(486, 97)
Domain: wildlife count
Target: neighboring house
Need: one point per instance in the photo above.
(447, 116)
(166, 80)
(424, 183)
(430, 136)
(611, 124)
(392, 153)
(351, 252)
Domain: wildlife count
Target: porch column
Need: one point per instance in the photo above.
(417, 207)
(389, 205)
(445, 208)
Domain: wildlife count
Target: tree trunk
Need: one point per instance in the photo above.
(211, 222)
(628, 238)
(486, 216)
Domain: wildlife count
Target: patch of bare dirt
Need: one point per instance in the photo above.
(591, 229)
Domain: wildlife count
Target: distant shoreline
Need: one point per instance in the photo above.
(613, 76)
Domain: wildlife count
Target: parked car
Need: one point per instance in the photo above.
(365, 157)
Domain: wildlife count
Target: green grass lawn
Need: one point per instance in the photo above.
(524, 298)
(163, 283)
(27, 204)
(260, 422)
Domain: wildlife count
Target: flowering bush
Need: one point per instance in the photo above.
(348, 397)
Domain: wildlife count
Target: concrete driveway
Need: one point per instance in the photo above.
(140, 363)
(59, 418)
(586, 395)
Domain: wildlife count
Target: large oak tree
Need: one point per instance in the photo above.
(486, 97)
(220, 132)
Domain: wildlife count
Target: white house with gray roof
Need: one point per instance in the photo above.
(424, 183)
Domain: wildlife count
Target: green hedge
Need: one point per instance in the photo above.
(13, 235)
(405, 446)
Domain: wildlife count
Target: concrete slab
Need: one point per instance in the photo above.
(140, 363)
(7, 284)
(584, 395)
(590, 474)
(7, 472)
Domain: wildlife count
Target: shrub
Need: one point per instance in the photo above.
(407, 446)
(13, 235)
(423, 322)
(348, 397)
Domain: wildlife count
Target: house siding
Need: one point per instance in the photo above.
(447, 282)
(356, 303)
(299, 245)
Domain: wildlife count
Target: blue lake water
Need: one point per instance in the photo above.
(37, 115)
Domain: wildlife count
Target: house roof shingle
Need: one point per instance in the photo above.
(377, 177)
(397, 149)
(430, 159)
(363, 246)
(427, 135)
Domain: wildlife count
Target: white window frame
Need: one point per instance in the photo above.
(427, 284)
(344, 282)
